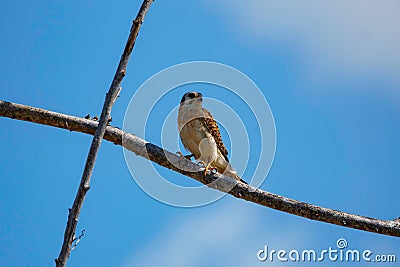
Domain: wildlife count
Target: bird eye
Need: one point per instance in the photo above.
(191, 95)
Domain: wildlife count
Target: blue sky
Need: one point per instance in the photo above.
(328, 70)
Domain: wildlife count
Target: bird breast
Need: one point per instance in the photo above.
(192, 129)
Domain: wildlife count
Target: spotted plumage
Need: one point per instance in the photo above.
(214, 130)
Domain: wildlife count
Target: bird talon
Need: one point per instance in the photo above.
(210, 169)
(205, 171)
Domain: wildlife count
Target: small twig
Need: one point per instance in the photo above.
(111, 96)
(171, 161)
(77, 240)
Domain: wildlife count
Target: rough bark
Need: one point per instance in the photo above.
(111, 96)
(217, 181)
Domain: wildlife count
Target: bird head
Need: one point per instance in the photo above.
(192, 98)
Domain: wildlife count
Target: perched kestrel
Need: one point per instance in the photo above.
(200, 135)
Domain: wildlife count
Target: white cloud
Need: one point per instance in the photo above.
(230, 233)
(227, 233)
(336, 38)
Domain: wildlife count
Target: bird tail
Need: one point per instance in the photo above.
(240, 179)
(224, 167)
(232, 173)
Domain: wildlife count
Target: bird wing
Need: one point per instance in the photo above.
(214, 130)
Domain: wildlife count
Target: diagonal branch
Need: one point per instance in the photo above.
(111, 96)
(171, 161)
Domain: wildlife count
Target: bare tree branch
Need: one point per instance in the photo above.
(220, 182)
(111, 96)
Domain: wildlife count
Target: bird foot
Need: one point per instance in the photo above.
(213, 170)
(208, 167)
